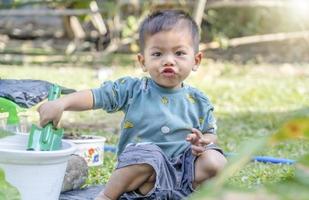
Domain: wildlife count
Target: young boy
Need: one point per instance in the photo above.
(168, 134)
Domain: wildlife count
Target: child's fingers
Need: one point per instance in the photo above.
(197, 132)
(49, 112)
(194, 153)
(189, 137)
(192, 138)
(43, 122)
(204, 141)
(55, 122)
(195, 136)
(196, 150)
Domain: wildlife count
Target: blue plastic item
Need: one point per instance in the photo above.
(264, 159)
(267, 159)
(110, 148)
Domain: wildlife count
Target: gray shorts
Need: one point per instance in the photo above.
(174, 176)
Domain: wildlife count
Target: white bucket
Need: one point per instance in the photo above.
(36, 174)
(91, 148)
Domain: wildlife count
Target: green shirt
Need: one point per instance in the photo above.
(154, 114)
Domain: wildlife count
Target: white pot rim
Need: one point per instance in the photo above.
(70, 148)
(14, 149)
(94, 139)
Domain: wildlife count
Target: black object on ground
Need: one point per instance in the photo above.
(27, 93)
(88, 193)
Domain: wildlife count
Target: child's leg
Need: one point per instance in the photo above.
(130, 178)
(207, 165)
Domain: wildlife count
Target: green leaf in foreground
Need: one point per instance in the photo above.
(294, 129)
(214, 187)
(296, 186)
(7, 191)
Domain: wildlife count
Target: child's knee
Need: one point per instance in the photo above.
(140, 170)
(212, 162)
(144, 169)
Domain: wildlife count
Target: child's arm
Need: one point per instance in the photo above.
(199, 140)
(52, 110)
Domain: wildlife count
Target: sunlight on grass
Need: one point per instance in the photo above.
(300, 7)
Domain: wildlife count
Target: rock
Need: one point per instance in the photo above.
(76, 173)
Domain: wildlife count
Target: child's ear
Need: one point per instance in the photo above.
(141, 60)
(197, 60)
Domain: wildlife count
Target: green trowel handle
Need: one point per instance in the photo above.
(46, 138)
(54, 92)
(47, 132)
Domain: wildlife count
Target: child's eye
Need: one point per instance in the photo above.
(156, 54)
(180, 53)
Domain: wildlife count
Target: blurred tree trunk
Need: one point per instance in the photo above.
(247, 3)
(255, 39)
(199, 12)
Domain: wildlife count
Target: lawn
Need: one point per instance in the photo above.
(251, 101)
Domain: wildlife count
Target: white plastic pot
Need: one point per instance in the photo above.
(91, 148)
(36, 174)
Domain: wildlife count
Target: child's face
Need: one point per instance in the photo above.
(169, 57)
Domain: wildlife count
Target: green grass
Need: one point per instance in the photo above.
(251, 101)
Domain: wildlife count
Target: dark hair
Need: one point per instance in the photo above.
(165, 20)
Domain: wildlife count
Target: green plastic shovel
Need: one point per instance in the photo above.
(47, 138)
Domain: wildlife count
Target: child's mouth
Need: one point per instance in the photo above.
(168, 72)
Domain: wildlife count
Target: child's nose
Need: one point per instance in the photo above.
(168, 60)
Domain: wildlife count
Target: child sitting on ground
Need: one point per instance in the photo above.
(167, 143)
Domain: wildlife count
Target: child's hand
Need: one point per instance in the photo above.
(199, 141)
(51, 111)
